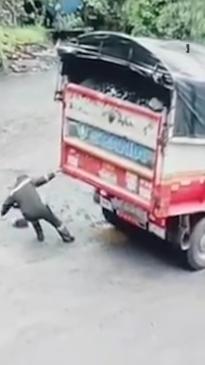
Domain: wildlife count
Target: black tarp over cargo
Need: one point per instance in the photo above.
(167, 63)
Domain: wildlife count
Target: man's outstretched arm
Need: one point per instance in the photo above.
(7, 205)
(42, 180)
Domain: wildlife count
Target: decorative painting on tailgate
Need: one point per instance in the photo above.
(110, 125)
(114, 116)
(110, 142)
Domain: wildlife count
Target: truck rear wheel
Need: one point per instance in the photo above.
(112, 218)
(196, 251)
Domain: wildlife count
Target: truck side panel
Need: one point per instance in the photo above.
(183, 177)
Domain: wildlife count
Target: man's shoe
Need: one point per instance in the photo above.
(40, 237)
(69, 239)
(20, 223)
(65, 234)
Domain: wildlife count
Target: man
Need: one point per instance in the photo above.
(49, 15)
(25, 197)
(39, 7)
(29, 9)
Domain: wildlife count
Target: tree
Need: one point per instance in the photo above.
(142, 15)
(175, 20)
(10, 10)
(179, 19)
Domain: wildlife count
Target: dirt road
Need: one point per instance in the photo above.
(104, 300)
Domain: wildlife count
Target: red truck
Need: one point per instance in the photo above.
(133, 127)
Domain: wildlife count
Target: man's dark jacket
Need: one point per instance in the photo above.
(25, 197)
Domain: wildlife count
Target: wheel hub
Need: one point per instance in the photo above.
(202, 244)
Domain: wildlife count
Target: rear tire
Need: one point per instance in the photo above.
(110, 217)
(113, 219)
(196, 251)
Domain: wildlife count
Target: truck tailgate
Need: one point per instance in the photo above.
(110, 144)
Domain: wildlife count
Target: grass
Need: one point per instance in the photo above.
(11, 37)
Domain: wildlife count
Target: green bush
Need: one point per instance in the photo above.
(11, 37)
(179, 19)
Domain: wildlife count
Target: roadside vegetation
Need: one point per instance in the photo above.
(175, 19)
(13, 38)
(10, 37)
(169, 19)
(14, 34)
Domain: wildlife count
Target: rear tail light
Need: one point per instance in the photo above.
(73, 159)
(132, 182)
(145, 189)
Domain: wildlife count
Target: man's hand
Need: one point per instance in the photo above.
(4, 210)
(7, 205)
(42, 180)
(51, 175)
(15, 205)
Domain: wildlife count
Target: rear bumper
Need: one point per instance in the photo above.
(140, 220)
(111, 190)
